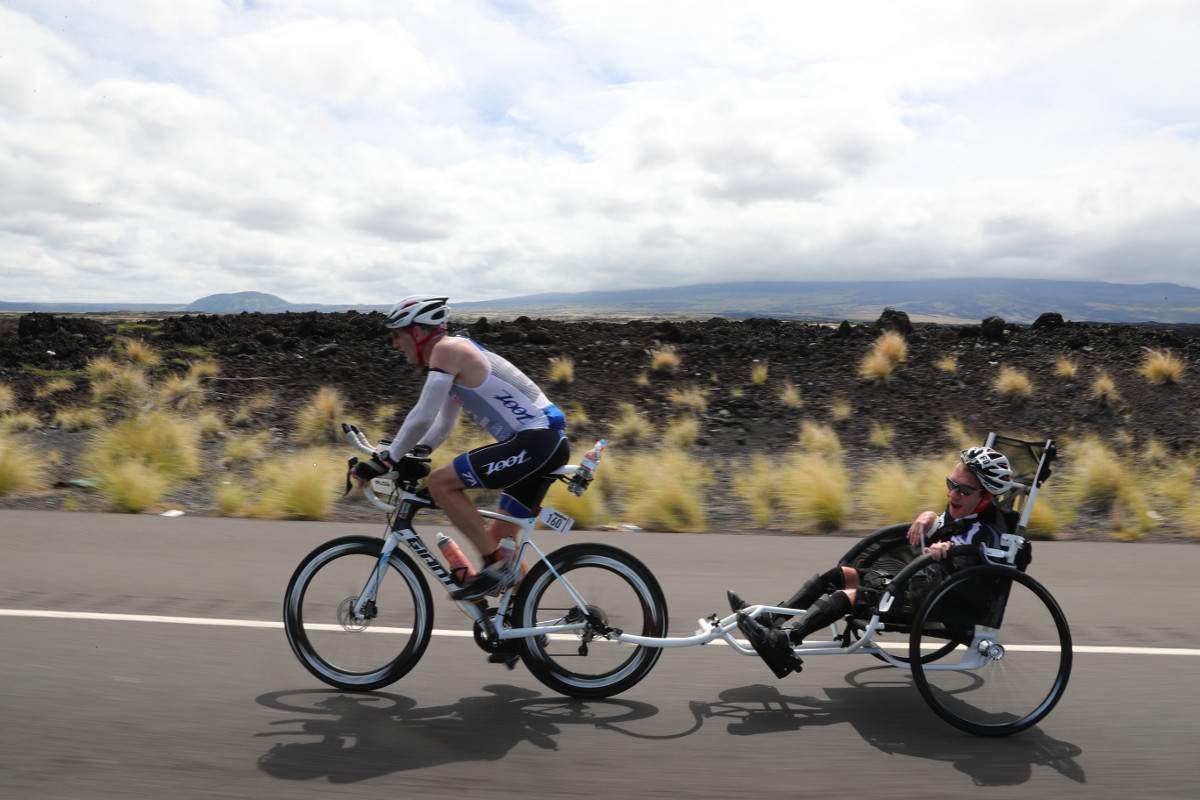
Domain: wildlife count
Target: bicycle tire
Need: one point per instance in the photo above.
(619, 592)
(362, 655)
(1014, 686)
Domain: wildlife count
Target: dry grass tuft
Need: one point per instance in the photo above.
(689, 398)
(232, 498)
(164, 442)
(882, 433)
(875, 367)
(1096, 475)
(759, 372)
(120, 384)
(1013, 383)
(681, 433)
(817, 489)
(1066, 367)
(840, 408)
(8, 398)
(818, 439)
(319, 421)
(790, 396)
(247, 448)
(306, 486)
(1104, 389)
(562, 370)
(54, 386)
(757, 485)
(664, 490)
(888, 352)
(630, 425)
(21, 467)
(17, 421)
(899, 491)
(664, 358)
(947, 363)
(79, 419)
(138, 352)
(1162, 366)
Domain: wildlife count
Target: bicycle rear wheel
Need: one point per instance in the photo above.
(619, 594)
(1015, 666)
(365, 654)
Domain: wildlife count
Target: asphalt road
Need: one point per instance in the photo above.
(142, 657)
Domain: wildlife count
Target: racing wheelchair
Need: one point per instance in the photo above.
(988, 646)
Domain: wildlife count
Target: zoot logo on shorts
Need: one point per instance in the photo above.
(511, 461)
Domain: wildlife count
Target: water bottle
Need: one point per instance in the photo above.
(460, 567)
(587, 470)
(506, 551)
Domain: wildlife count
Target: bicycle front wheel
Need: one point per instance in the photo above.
(613, 592)
(1014, 655)
(368, 652)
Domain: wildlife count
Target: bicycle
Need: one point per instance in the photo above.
(358, 610)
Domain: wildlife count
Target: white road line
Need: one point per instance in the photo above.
(255, 623)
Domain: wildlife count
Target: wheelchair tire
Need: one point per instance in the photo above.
(1014, 658)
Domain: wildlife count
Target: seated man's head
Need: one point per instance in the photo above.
(981, 475)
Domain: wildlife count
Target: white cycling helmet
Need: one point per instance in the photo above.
(990, 467)
(420, 309)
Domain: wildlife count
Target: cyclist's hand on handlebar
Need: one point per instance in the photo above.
(923, 526)
(374, 467)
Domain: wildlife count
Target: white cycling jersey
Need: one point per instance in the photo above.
(507, 401)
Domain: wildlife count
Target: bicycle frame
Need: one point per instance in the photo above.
(402, 532)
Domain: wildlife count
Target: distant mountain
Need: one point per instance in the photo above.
(947, 301)
(238, 302)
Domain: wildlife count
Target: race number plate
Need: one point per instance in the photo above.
(555, 519)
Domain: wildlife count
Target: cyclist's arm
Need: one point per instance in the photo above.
(447, 418)
(421, 418)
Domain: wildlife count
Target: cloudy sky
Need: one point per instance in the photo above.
(358, 151)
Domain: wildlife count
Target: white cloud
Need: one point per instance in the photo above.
(351, 151)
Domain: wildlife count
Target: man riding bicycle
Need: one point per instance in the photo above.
(980, 476)
(529, 431)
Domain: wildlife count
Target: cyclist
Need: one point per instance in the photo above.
(529, 431)
(980, 476)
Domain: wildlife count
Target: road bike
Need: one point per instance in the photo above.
(358, 610)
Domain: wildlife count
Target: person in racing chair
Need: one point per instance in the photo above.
(980, 476)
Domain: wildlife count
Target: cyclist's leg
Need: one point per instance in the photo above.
(450, 493)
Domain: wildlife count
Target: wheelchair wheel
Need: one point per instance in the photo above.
(1013, 654)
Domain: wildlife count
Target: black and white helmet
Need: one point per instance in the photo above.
(990, 467)
(420, 309)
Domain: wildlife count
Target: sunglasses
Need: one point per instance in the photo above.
(961, 488)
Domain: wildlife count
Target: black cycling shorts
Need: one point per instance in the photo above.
(518, 465)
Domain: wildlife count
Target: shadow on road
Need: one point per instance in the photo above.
(891, 716)
(363, 736)
(345, 738)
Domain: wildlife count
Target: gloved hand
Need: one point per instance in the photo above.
(374, 467)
